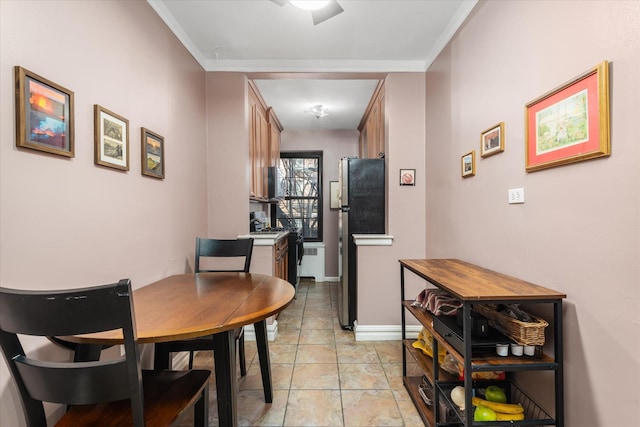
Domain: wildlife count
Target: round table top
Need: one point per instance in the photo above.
(193, 305)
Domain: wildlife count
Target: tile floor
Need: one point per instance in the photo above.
(321, 375)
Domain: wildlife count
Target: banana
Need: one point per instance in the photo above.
(509, 417)
(505, 408)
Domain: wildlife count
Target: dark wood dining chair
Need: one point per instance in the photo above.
(103, 393)
(213, 248)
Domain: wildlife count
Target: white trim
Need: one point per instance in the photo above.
(372, 239)
(272, 332)
(384, 332)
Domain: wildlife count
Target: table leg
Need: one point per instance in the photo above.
(263, 354)
(160, 357)
(87, 353)
(226, 382)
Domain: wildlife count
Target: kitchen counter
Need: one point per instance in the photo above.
(265, 239)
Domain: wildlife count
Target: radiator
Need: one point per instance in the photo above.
(313, 261)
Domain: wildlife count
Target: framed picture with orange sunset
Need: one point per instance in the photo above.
(44, 114)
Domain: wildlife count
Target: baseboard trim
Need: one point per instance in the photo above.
(272, 332)
(385, 332)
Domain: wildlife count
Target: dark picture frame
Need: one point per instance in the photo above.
(407, 177)
(111, 139)
(152, 154)
(468, 164)
(570, 123)
(492, 140)
(44, 114)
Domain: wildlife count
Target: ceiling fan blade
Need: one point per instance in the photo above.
(329, 11)
(280, 2)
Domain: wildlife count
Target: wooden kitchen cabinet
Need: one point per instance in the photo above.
(372, 126)
(275, 128)
(264, 142)
(281, 259)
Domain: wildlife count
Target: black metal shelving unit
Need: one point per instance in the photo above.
(476, 285)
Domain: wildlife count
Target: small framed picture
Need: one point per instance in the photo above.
(492, 140)
(407, 177)
(334, 188)
(469, 164)
(152, 154)
(111, 139)
(44, 114)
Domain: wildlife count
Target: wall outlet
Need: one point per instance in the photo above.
(516, 195)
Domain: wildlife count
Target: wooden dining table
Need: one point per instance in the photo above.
(196, 305)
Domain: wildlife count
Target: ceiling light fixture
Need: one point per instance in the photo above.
(309, 4)
(318, 111)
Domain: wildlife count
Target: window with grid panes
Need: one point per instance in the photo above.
(300, 173)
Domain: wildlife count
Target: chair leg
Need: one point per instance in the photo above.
(241, 354)
(201, 409)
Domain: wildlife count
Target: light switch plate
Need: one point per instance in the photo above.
(516, 195)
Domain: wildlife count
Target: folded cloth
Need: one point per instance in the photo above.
(437, 301)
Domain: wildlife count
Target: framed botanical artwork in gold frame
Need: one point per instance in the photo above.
(44, 114)
(492, 140)
(570, 123)
(152, 154)
(111, 139)
(468, 164)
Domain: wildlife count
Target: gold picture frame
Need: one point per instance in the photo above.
(111, 139)
(468, 164)
(492, 140)
(570, 123)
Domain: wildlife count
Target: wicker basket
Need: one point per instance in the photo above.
(524, 333)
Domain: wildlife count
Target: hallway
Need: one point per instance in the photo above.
(321, 375)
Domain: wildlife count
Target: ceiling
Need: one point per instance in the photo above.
(296, 64)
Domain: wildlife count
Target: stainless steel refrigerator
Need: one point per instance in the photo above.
(362, 211)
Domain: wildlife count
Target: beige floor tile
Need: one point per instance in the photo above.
(324, 312)
(317, 323)
(282, 353)
(393, 371)
(389, 351)
(356, 353)
(317, 336)
(343, 336)
(315, 376)
(287, 336)
(289, 323)
(280, 377)
(407, 408)
(253, 411)
(370, 408)
(362, 377)
(316, 353)
(314, 408)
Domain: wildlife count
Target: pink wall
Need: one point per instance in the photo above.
(228, 176)
(66, 222)
(378, 267)
(579, 229)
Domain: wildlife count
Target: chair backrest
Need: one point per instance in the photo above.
(65, 313)
(217, 248)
